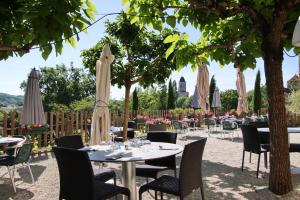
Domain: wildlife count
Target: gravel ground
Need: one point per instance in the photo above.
(222, 175)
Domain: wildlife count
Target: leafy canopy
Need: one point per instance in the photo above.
(138, 54)
(41, 22)
(231, 31)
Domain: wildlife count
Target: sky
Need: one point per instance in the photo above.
(16, 69)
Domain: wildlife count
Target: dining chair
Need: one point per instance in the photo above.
(75, 142)
(190, 174)
(12, 149)
(151, 168)
(22, 159)
(252, 143)
(77, 180)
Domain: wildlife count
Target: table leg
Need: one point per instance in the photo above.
(128, 178)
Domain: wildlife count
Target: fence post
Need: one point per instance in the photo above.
(57, 124)
(5, 124)
(46, 134)
(77, 121)
(62, 124)
(19, 127)
(72, 123)
(51, 127)
(85, 126)
(12, 123)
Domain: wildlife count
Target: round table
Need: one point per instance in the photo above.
(103, 153)
(9, 140)
(290, 130)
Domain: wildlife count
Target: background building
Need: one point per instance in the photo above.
(182, 88)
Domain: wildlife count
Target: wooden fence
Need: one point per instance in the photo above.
(61, 123)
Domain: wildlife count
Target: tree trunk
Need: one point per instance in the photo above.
(280, 174)
(126, 111)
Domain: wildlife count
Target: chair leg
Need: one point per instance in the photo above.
(115, 180)
(266, 159)
(250, 158)
(202, 191)
(175, 173)
(243, 160)
(258, 165)
(161, 195)
(12, 179)
(29, 168)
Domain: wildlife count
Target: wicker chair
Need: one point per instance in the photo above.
(252, 144)
(21, 158)
(153, 167)
(77, 180)
(75, 142)
(190, 175)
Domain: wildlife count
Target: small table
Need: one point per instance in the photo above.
(9, 140)
(154, 150)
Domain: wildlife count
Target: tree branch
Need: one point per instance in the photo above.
(25, 48)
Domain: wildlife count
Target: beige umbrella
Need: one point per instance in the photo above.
(33, 112)
(203, 87)
(101, 117)
(241, 89)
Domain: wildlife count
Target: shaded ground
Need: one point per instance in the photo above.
(222, 175)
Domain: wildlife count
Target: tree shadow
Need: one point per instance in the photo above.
(7, 192)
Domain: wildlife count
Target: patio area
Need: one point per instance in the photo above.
(222, 175)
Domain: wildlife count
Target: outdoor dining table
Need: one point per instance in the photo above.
(129, 157)
(9, 140)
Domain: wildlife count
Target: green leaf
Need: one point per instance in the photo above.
(124, 2)
(134, 19)
(46, 51)
(185, 22)
(72, 42)
(171, 20)
(171, 38)
(170, 50)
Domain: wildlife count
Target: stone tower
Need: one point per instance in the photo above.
(182, 88)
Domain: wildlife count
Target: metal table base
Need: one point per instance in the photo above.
(129, 178)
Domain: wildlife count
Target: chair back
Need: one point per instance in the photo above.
(12, 149)
(163, 136)
(75, 173)
(131, 124)
(70, 141)
(251, 138)
(24, 153)
(177, 125)
(259, 124)
(190, 174)
(157, 127)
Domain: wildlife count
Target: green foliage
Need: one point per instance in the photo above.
(135, 100)
(149, 99)
(171, 96)
(61, 86)
(116, 106)
(212, 87)
(293, 104)
(175, 90)
(85, 104)
(257, 94)
(42, 22)
(229, 99)
(163, 97)
(144, 61)
(7, 99)
(264, 98)
(183, 102)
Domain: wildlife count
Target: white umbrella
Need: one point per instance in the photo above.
(101, 117)
(216, 101)
(241, 89)
(203, 87)
(195, 100)
(33, 112)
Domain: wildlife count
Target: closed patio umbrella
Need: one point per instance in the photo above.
(203, 87)
(195, 100)
(241, 89)
(33, 112)
(101, 117)
(216, 102)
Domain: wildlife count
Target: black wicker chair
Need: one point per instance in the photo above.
(76, 177)
(252, 143)
(75, 142)
(190, 174)
(152, 167)
(22, 158)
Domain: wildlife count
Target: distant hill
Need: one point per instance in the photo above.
(10, 100)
